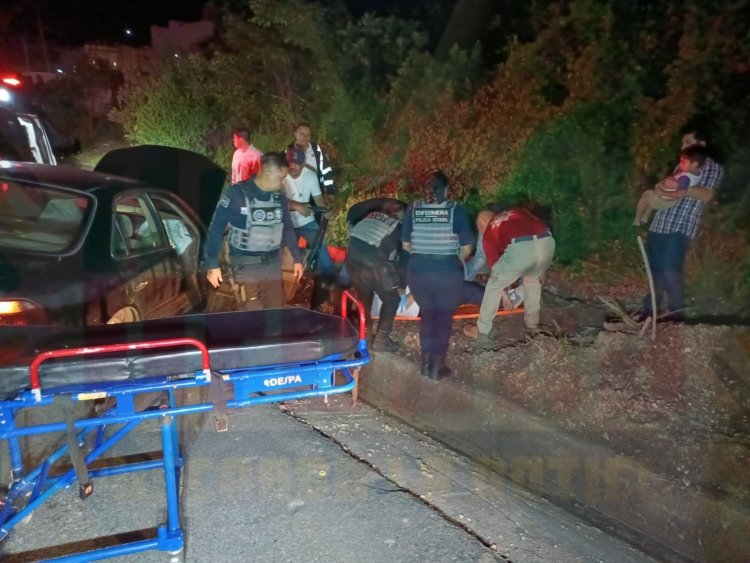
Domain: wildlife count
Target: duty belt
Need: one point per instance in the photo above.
(256, 258)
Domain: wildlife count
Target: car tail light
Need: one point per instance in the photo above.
(11, 80)
(21, 312)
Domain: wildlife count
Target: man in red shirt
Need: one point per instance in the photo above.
(246, 158)
(516, 244)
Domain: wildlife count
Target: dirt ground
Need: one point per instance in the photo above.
(680, 403)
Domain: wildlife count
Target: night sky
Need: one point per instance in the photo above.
(74, 22)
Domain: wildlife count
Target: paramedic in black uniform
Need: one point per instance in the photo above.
(256, 214)
(373, 263)
(438, 236)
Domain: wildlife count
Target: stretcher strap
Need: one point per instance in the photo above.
(217, 392)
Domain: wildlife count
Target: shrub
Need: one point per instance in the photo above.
(579, 166)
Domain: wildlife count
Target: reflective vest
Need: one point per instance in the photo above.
(263, 227)
(432, 229)
(374, 228)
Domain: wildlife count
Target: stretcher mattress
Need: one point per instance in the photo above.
(234, 340)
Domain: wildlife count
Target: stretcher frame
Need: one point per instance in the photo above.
(251, 386)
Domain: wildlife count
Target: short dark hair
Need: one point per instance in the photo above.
(498, 207)
(696, 153)
(302, 124)
(393, 207)
(699, 133)
(436, 188)
(274, 159)
(242, 132)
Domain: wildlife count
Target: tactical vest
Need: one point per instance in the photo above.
(432, 229)
(263, 227)
(374, 228)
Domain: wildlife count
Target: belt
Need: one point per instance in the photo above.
(530, 237)
(255, 259)
(437, 256)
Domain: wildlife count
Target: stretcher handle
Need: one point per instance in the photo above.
(347, 295)
(36, 386)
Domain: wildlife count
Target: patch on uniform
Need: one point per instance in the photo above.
(432, 216)
(224, 201)
(259, 215)
(277, 215)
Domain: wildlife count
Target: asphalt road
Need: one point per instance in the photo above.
(280, 488)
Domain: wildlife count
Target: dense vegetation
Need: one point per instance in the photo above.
(573, 105)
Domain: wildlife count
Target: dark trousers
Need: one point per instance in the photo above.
(436, 286)
(666, 257)
(260, 281)
(309, 232)
(472, 292)
(366, 284)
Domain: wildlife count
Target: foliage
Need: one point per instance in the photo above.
(76, 103)
(177, 109)
(581, 108)
(579, 167)
(719, 267)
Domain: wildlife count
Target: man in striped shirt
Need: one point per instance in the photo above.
(672, 230)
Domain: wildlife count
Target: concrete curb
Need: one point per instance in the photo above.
(617, 493)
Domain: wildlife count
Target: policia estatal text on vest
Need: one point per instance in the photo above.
(257, 215)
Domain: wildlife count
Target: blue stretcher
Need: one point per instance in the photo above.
(241, 358)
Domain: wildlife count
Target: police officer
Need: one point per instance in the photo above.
(372, 260)
(438, 235)
(257, 215)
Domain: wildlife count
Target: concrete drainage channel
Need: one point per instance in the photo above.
(617, 494)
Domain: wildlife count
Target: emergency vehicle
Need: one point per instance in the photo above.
(25, 134)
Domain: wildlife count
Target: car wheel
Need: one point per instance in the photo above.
(125, 315)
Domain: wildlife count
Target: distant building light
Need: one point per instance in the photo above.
(128, 31)
(60, 71)
(114, 64)
(4, 95)
(176, 56)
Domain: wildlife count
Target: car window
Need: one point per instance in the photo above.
(37, 139)
(134, 230)
(181, 230)
(14, 143)
(41, 219)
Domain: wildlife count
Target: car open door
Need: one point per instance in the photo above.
(192, 176)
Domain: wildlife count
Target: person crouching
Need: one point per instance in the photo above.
(372, 261)
(516, 244)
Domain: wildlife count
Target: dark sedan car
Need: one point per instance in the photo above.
(80, 247)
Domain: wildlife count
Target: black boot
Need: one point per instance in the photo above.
(437, 368)
(425, 365)
(382, 343)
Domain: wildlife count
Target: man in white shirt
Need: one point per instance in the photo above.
(300, 185)
(315, 159)
(246, 158)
